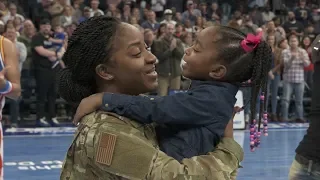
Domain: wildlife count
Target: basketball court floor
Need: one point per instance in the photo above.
(37, 154)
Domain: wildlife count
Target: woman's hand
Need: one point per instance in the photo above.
(228, 132)
(87, 106)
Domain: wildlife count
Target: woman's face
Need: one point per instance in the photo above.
(17, 21)
(136, 12)
(306, 41)
(271, 40)
(293, 42)
(284, 44)
(133, 65)
(188, 39)
(133, 20)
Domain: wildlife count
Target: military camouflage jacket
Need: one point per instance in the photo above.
(110, 147)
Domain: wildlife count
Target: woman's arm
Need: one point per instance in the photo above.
(134, 157)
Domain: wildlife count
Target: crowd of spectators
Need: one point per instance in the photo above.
(40, 30)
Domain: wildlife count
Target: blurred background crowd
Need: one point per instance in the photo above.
(34, 25)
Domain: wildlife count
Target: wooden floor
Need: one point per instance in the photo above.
(38, 154)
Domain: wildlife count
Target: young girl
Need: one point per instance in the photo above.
(274, 75)
(217, 63)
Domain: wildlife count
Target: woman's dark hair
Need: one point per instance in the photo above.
(89, 46)
(243, 66)
(302, 44)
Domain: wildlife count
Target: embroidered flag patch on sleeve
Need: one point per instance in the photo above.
(105, 149)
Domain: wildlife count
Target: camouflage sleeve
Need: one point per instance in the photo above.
(125, 152)
(219, 164)
(234, 175)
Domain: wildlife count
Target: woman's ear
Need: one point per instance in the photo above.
(103, 72)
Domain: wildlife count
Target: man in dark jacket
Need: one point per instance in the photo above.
(169, 51)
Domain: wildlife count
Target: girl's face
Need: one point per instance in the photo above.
(306, 41)
(199, 60)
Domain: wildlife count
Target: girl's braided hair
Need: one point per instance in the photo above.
(246, 66)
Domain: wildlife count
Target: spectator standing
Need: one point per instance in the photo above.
(169, 52)
(40, 11)
(274, 75)
(248, 26)
(267, 14)
(168, 17)
(56, 10)
(191, 13)
(310, 32)
(12, 13)
(272, 30)
(44, 74)
(151, 22)
(67, 18)
(158, 6)
(94, 4)
(303, 13)
(294, 61)
(292, 26)
(86, 14)
(214, 13)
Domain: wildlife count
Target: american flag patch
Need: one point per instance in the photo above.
(105, 149)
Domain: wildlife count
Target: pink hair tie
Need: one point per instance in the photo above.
(251, 42)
